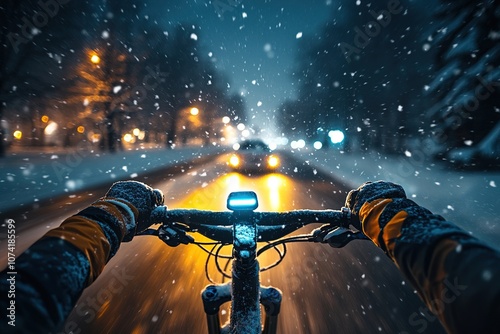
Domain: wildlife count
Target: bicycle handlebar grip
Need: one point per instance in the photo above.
(158, 214)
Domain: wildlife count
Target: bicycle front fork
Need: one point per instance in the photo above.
(214, 296)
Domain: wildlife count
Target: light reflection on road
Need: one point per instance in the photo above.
(271, 190)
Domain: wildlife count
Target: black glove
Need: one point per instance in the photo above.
(142, 197)
(371, 191)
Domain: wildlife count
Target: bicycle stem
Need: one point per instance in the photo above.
(245, 301)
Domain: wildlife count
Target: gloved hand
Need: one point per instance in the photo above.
(369, 192)
(142, 197)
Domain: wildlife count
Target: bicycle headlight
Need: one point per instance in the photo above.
(242, 201)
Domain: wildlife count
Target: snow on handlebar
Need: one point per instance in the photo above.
(226, 218)
(270, 225)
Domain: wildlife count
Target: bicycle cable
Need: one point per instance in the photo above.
(218, 246)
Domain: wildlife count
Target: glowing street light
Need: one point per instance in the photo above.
(128, 138)
(95, 59)
(194, 111)
(51, 128)
(18, 134)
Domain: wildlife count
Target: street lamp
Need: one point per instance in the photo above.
(95, 59)
(18, 134)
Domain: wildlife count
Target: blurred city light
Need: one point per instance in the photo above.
(194, 111)
(80, 129)
(128, 138)
(318, 145)
(94, 137)
(273, 161)
(336, 136)
(45, 118)
(18, 134)
(136, 132)
(226, 120)
(295, 144)
(241, 126)
(234, 161)
(95, 59)
(51, 128)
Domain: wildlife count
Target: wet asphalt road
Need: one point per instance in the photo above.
(149, 287)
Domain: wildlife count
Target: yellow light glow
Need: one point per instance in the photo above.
(234, 161)
(18, 134)
(275, 183)
(45, 118)
(194, 111)
(128, 138)
(80, 129)
(136, 132)
(94, 137)
(273, 161)
(51, 128)
(95, 59)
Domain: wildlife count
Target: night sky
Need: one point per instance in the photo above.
(254, 43)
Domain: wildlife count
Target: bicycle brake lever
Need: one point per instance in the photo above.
(319, 234)
(174, 236)
(336, 237)
(149, 231)
(341, 236)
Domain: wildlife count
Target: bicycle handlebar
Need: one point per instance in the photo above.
(270, 225)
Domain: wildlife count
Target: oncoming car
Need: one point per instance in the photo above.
(254, 156)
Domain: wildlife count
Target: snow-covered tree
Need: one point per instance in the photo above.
(361, 74)
(39, 41)
(466, 89)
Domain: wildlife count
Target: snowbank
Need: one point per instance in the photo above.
(28, 178)
(469, 199)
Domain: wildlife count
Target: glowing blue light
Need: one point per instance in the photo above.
(336, 136)
(242, 202)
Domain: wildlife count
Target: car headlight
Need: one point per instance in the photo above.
(234, 161)
(273, 161)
